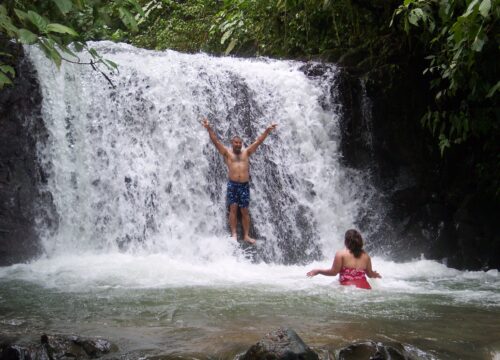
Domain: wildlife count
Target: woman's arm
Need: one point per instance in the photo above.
(369, 272)
(334, 270)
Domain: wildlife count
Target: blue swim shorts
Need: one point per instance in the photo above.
(238, 193)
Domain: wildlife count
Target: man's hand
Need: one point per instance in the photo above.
(206, 124)
(271, 127)
(251, 149)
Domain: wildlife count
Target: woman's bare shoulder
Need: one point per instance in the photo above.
(342, 253)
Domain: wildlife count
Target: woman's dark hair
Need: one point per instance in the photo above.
(354, 242)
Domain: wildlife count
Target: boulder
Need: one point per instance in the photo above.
(371, 350)
(280, 344)
(58, 347)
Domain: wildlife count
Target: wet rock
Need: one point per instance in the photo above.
(14, 353)
(371, 350)
(58, 347)
(20, 127)
(426, 204)
(280, 344)
(314, 69)
(76, 346)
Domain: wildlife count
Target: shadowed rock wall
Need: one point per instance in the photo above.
(21, 127)
(434, 206)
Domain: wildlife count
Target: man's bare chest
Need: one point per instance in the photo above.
(237, 159)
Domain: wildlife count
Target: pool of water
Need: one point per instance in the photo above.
(153, 305)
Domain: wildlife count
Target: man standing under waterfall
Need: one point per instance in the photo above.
(238, 189)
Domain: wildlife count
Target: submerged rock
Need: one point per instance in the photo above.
(280, 344)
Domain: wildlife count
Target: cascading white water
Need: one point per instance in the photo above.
(141, 254)
(131, 167)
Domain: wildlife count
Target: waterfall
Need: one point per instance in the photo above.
(130, 167)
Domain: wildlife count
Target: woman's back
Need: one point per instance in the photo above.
(350, 261)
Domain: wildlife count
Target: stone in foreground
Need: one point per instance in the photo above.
(280, 344)
(371, 350)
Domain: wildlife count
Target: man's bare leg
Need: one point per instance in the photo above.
(233, 220)
(245, 220)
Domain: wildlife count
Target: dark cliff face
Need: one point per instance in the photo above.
(432, 205)
(21, 127)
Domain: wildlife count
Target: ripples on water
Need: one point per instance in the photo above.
(153, 304)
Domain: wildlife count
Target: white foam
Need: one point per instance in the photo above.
(131, 167)
(91, 271)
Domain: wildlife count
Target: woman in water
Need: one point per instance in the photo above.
(352, 263)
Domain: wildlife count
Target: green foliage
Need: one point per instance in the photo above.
(462, 41)
(179, 25)
(279, 28)
(290, 28)
(53, 25)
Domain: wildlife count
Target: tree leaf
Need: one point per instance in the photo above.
(484, 8)
(7, 69)
(493, 89)
(137, 7)
(61, 29)
(37, 20)
(470, 8)
(110, 64)
(128, 19)
(231, 46)
(50, 51)
(6, 23)
(226, 36)
(413, 18)
(4, 80)
(27, 37)
(79, 46)
(68, 51)
(22, 15)
(64, 6)
(479, 42)
(94, 53)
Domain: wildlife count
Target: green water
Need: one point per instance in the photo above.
(220, 322)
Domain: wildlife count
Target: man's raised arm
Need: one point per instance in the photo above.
(221, 148)
(251, 149)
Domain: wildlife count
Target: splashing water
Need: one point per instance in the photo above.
(141, 251)
(131, 167)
